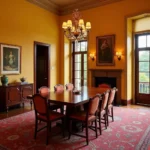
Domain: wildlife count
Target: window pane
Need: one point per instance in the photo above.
(77, 74)
(85, 82)
(144, 88)
(144, 66)
(85, 57)
(83, 46)
(143, 55)
(78, 58)
(77, 66)
(148, 41)
(143, 77)
(142, 41)
(85, 66)
(85, 74)
(77, 83)
(77, 46)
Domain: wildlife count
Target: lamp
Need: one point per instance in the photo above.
(92, 56)
(119, 54)
(75, 29)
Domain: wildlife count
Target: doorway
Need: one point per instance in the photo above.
(142, 68)
(41, 65)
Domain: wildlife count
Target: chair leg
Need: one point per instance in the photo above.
(100, 128)
(63, 126)
(112, 111)
(105, 118)
(87, 134)
(96, 127)
(48, 128)
(36, 125)
(62, 109)
(70, 128)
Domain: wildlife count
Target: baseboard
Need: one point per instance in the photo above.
(126, 102)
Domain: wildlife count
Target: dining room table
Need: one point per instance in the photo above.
(73, 99)
(76, 97)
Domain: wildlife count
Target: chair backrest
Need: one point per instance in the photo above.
(112, 95)
(59, 88)
(93, 104)
(44, 91)
(40, 104)
(104, 85)
(105, 99)
(69, 86)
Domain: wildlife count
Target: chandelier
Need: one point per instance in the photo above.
(75, 29)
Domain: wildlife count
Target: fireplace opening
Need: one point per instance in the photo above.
(105, 80)
(111, 81)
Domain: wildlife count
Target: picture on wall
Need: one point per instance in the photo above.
(10, 59)
(105, 50)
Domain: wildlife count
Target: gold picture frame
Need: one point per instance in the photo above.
(10, 59)
(105, 50)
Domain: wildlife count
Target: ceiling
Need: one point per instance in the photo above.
(64, 7)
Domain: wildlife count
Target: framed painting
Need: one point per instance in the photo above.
(10, 59)
(105, 50)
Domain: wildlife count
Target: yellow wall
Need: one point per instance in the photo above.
(22, 23)
(112, 19)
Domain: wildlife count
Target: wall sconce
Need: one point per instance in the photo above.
(92, 56)
(119, 54)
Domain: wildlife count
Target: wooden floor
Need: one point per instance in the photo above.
(19, 110)
(16, 111)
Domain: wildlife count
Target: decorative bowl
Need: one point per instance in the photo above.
(23, 79)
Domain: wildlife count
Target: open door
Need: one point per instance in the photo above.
(41, 65)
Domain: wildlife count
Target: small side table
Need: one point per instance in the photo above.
(30, 97)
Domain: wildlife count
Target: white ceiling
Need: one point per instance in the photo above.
(63, 7)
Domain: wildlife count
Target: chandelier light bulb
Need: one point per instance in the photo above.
(64, 25)
(88, 25)
(69, 23)
(75, 29)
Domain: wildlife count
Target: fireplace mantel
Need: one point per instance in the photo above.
(109, 73)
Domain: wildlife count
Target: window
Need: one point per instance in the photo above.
(79, 63)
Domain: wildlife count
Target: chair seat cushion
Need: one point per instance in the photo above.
(82, 116)
(53, 115)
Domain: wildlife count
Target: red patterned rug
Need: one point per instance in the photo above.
(129, 131)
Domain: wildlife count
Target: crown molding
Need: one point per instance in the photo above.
(67, 9)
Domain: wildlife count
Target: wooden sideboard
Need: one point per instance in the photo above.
(14, 94)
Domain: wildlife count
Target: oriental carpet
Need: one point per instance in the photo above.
(129, 131)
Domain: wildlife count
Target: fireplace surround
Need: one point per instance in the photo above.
(110, 76)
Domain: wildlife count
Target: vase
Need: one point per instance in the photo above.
(4, 80)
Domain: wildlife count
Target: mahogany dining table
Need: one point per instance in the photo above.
(70, 98)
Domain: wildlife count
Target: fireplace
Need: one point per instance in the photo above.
(106, 80)
(108, 76)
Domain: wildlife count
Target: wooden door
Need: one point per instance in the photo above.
(142, 68)
(41, 65)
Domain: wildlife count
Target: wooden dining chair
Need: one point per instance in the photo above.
(110, 111)
(59, 88)
(43, 113)
(85, 117)
(69, 86)
(102, 111)
(44, 91)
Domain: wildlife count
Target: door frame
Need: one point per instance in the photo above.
(35, 62)
(140, 98)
